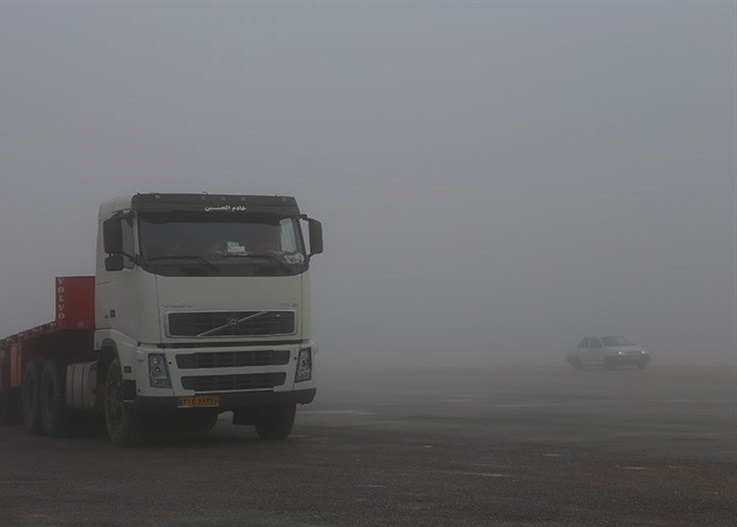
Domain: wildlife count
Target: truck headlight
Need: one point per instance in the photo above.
(304, 365)
(158, 371)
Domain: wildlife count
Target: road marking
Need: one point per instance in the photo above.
(485, 474)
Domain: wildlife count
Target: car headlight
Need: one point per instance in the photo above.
(158, 371)
(304, 365)
(620, 353)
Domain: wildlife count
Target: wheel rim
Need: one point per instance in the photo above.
(114, 399)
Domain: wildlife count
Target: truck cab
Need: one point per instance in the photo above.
(201, 306)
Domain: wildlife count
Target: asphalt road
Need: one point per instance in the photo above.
(509, 448)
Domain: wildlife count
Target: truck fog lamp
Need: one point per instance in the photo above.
(304, 365)
(158, 371)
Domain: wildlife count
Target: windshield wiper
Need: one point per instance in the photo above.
(205, 261)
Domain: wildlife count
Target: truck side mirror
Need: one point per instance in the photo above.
(315, 236)
(112, 236)
(114, 263)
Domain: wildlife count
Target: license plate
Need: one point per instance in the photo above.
(199, 401)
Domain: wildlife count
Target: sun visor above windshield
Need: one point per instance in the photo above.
(214, 203)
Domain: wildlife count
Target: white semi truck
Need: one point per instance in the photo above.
(200, 304)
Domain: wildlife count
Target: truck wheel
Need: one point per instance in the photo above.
(54, 412)
(124, 427)
(31, 398)
(274, 423)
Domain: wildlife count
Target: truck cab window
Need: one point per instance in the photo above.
(189, 244)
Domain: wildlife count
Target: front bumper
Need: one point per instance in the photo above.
(217, 371)
(228, 401)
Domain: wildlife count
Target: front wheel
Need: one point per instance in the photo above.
(124, 427)
(274, 423)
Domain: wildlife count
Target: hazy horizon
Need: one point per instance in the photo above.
(496, 180)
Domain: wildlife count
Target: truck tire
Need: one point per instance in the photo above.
(124, 427)
(31, 397)
(54, 411)
(274, 423)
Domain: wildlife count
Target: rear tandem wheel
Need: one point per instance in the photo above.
(31, 397)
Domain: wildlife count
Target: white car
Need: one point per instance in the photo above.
(607, 352)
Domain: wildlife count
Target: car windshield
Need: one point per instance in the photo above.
(615, 341)
(194, 244)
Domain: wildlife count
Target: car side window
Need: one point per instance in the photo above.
(584, 343)
(594, 343)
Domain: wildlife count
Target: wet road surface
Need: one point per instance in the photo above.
(445, 447)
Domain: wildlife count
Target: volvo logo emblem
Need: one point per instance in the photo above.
(233, 322)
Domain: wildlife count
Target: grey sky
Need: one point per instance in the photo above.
(495, 179)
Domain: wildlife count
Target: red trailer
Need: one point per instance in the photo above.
(33, 363)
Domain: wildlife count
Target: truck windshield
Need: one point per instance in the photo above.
(223, 245)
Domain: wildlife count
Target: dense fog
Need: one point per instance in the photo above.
(496, 180)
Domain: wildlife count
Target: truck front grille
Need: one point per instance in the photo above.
(231, 323)
(233, 359)
(217, 383)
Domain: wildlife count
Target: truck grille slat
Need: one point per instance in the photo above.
(217, 383)
(233, 359)
(231, 323)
